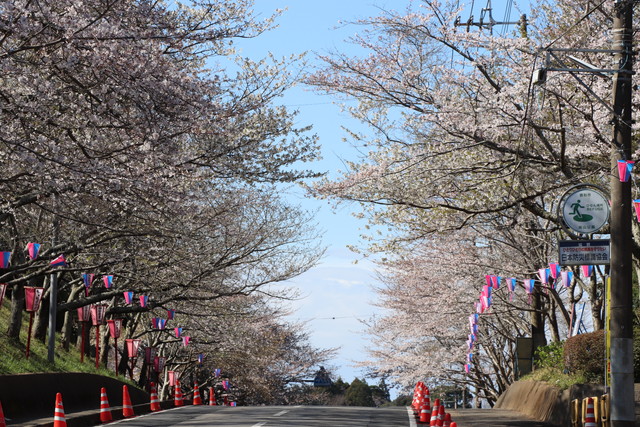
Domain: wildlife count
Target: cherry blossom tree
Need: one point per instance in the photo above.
(467, 154)
(136, 142)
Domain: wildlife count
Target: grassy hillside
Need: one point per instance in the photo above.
(14, 361)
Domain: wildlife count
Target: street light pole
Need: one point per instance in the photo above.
(622, 395)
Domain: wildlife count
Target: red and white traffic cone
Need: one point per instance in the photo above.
(178, 400)
(440, 418)
(447, 420)
(453, 424)
(155, 403)
(127, 407)
(590, 417)
(425, 413)
(434, 412)
(212, 397)
(105, 410)
(58, 414)
(3, 422)
(197, 400)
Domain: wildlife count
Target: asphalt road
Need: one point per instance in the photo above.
(272, 416)
(317, 416)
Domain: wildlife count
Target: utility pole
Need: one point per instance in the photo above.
(622, 395)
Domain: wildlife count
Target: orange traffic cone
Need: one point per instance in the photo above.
(58, 414)
(212, 397)
(3, 422)
(425, 413)
(178, 401)
(127, 408)
(155, 403)
(447, 420)
(453, 424)
(440, 419)
(197, 400)
(434, 412)
(105, 410)
(590, 418)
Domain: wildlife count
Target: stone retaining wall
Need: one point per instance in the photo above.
(544, 402)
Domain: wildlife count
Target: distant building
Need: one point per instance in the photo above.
(322, 378)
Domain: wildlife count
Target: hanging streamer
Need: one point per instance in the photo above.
(554, 269)
(511, 285)
(624, 169)
(636, 206)
(185, 340)
(143, 300)
(4, 259)
(33, 249)
(128, 297)
(543, 274)
(178, 332)
(171, 314)
(528, 287)
(566, 278)
(587, 270)
(108, 281)
(59, 262)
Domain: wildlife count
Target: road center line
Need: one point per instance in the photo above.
(281, 413)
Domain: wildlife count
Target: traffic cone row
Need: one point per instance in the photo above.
(105, 410)
(426, 414)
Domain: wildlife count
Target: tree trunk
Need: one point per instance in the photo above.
(15, 318)
(537, 321)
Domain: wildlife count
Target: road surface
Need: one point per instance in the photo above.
(317, 416)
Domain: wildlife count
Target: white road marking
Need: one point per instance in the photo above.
(412, 419)
(281, 413)
(258, 425)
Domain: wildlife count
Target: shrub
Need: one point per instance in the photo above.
(584, 354)
(550, 356)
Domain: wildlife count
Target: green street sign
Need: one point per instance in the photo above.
(585, 209)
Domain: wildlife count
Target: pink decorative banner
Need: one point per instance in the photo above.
(128, 297)
(108, 281)
(59, 262)
(636, 205)
(543, 274)
(624, 169)
(33, 249)
(566, 278)
(4, 259)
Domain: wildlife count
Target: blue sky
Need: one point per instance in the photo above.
(337, 293)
